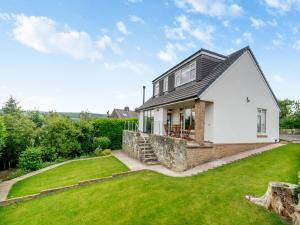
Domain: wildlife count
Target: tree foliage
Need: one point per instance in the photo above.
(53, 135)
(290, 114)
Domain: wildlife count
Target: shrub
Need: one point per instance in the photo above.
(49, 154)
(2, 136)
(98, 152)
(61, 133)
(106, 152)
(111, 128)
(31, 159)
(101, 142)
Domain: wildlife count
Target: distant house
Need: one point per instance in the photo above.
(124, 113)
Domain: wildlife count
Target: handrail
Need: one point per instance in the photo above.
(133, 126)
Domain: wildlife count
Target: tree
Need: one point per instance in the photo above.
(60, 133)
(20, 133)
(2, 136)
(290, 114)
(11, 106)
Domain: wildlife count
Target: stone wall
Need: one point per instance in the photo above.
(289, 131)
(170, 152)
(283, 198)
(130, 144)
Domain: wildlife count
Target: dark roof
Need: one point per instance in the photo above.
(187, 59)
(194, 89)
(122, 113)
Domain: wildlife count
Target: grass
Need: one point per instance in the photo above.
(214, 197)
(67, 174)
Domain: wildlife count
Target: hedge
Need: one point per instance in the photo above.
(111, 128)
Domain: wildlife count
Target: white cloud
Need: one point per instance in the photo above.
(278, 79)
(219, 8)
(283, 5)
(226, 23)
(297, 45)
(272, 23)
(257, 23)
(135, 1)
(248, 37)
(170, 53)
(122, 27)
(135, 67)
(106, 42)
(136, 19)
(6, 16)
(237, 41)
(44, 35)
(201, 31)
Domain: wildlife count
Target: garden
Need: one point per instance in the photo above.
(30, 140)
(213, 197)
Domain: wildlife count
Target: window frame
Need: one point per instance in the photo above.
(261, 121)
(156, 89)
(190, 69)
(166, 84)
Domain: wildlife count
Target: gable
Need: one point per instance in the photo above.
(243, 77)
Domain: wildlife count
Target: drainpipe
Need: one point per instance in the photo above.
(144, 88)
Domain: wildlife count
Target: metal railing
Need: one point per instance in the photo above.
(133, 126)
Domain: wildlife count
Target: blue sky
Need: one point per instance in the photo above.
(96, 55)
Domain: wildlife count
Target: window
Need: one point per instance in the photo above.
(148, 121)
(166, 84)
(156, 89)
(261, 120)
(185, 75)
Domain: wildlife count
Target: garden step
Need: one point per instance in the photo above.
(152, 162)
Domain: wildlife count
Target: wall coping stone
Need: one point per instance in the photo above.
(64, 188)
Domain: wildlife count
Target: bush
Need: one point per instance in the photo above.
(31, 159)
(111, 128)
(49, 154)
(101, 142)
(61, 133)
(98, 152)
(106, 152)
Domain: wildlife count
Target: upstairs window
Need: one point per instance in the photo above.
(261, 121)
(185, 75)
(156, 89)
(166, 83)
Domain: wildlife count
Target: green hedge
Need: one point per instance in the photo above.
(111, 128)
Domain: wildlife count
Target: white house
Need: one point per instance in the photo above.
(224, 102)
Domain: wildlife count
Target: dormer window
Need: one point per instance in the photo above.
(186, 74)
(156, 89)
(166, 84)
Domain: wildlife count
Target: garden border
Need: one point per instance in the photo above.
(64, 188)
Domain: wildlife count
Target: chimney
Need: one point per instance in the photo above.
(126, 109)
(144, 88)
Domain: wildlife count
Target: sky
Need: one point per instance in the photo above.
(88, 55)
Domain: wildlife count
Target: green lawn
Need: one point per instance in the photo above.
(67, 174)
(213, 197)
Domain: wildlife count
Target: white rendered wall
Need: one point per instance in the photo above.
(208, 122)
(141, 120)
(160, 117)
(235, 120)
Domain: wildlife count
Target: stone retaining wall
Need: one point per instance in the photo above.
(289, 131)
(130, 144)
(171, 152)
(64, 188)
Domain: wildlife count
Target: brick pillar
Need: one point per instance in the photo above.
(199, 121)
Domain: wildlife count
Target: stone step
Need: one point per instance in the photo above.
(152, 163)
(147, 150)
(149, 155)
(152, 158)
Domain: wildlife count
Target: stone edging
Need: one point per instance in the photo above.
(64, 188)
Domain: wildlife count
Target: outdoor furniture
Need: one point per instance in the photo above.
(177, 131)
(186, 133)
